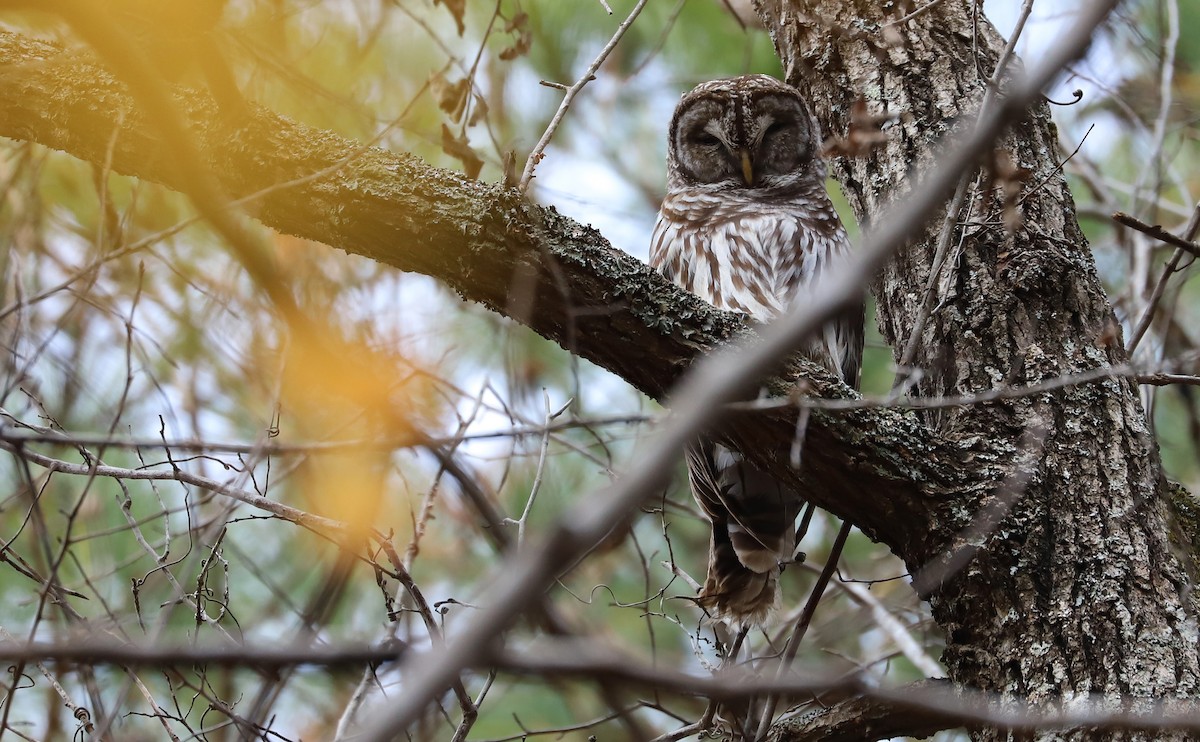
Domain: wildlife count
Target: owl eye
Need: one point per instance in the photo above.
(775, 128)
(704, 139)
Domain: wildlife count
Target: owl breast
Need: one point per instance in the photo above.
(758, 260)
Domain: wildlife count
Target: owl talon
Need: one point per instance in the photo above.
(799, 558)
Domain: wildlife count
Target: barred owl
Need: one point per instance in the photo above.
(747, 225)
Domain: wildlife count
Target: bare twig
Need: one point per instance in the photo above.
(1157, 232)
(802, 624)
(40, 434)
(919, 11)
(889, 624)
(893, 401)
(316, 523)
(551, 416)
(588, 75)
(1189, 234)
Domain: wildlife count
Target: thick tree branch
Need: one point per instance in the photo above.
(863, 717)
(488, 243)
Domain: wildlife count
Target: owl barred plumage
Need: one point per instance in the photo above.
(747, 225)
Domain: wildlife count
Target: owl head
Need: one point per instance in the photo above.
(744, 133)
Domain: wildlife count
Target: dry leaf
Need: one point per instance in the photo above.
(1009, 178)
(478, 111)
(522, 37)
(460, 149)
(451, 96)
(864, 134)
(457, 8)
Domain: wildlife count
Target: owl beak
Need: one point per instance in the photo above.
(747, 168)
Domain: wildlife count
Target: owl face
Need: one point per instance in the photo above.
(749, 132)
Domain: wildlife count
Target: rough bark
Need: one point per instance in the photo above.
(858, 719)
(1077, 589)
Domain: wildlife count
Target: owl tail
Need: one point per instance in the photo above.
(732, 591)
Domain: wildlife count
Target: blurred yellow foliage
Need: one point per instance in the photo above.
(341, 388)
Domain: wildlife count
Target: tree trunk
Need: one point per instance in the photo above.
(1075, 587)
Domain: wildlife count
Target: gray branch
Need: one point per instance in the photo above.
(488, 243)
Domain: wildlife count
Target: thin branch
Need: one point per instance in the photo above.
(588, 75)
(469, 710)
(888, 624)
(559, 732)
(894, 401)
(317, 523)
(39, 434)
(1169, 379)
(1160, 234)
(802, 624)
(916, 13)
(541, 466)
(1160, 288)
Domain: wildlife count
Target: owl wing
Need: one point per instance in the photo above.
(848, 329)
(660, 248)
(817, 245)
